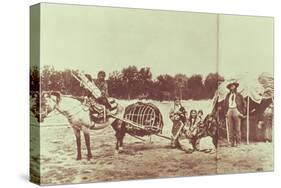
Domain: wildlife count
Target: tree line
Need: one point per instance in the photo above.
(130, 83)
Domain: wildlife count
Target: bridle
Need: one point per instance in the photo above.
(60, 111)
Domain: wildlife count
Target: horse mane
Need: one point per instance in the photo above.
(214, 119)
(206, 119)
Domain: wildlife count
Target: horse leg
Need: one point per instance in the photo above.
(78, 143)
(215, 138)
(121, 143)
(213, 132)
(87, 142)
(194, 142)
(150, 139)
(117, 146)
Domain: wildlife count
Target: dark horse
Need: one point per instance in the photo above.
(120, 132)
(145, 119)
(209, 127)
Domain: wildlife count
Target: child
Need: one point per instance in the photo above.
(200, 115)
(192, 129)
(193, 122)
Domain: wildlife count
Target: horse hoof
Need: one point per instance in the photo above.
(89, 157)
(189, 151)
(78, 158)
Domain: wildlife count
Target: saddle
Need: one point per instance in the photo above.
(100, 111)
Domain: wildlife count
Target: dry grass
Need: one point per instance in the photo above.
(139, 160)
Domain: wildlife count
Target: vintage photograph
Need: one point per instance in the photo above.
(124, 94)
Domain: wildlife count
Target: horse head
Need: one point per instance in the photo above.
(48, 103)
(209, 120)
(211, 124)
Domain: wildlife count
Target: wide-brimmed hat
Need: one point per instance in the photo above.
(232, 83)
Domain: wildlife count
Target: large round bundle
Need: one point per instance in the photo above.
(145, 117)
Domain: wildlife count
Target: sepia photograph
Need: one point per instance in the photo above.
(124, 94)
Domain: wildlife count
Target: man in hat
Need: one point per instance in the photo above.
(234, 107)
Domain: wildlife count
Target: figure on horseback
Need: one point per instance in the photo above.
(83, 113)
(100, 106)
(76, 114)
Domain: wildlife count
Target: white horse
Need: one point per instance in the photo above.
(77, 115)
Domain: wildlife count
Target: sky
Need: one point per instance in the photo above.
(93, 38)
(245, 45)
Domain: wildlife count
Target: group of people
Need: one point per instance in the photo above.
(235, 112)
(234, 108)
(184, 124)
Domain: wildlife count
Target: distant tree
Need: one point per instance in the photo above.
(116, 86)
(130, 83)
(153, 91)
(34, 79)
(180, 84)
(129, 79)
(55, 80)
(70, 85)
(165, 84)
(196, 87)
(144, 81)
(45, 78)
(211, 85)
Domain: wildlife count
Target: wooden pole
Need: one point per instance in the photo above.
(104, 114)
(178, 133)
(227, 130)
(162, 136)
(136, 137)
(248, 119)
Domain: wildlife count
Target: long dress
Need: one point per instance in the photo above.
(193, 127)
(188, 141)
(177, 116)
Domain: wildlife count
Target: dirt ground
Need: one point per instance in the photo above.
(139, 160)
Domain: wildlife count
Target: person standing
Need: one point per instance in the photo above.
(234, 106)
(265, 123)
(178, 117)
(200, 115)
(268, 120)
